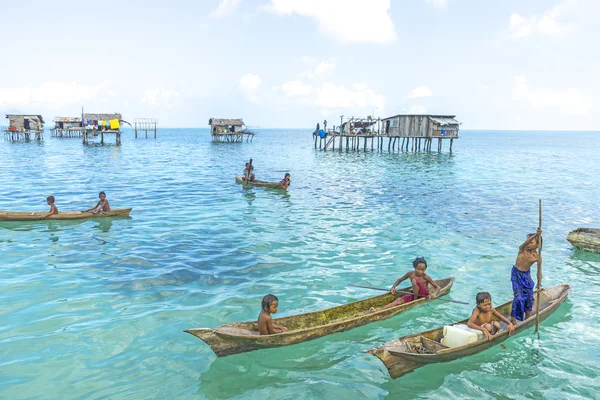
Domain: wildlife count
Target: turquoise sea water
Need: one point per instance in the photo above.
(97, 309)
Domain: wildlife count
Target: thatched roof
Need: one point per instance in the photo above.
(23, 116)
(97, 117)
(226, 122)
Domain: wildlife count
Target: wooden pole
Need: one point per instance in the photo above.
(539, 276)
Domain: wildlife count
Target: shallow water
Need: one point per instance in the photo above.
(97, 309)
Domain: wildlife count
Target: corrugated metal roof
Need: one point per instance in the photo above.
(444, 121)
(67, 119)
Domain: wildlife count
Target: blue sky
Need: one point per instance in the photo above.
(291, 63)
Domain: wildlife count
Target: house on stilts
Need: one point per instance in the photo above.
(95, 125)
(404, 132)
(24, 127)
(66, 127)
(229, 130)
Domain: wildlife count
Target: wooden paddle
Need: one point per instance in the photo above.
(402, 292)
(539, 276)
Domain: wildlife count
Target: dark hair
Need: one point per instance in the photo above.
(286, 174)
(530, 235)
(268, 300)
(101, 193)
(50, 198)
(418, 261)
(482, 296)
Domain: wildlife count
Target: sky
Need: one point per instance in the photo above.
(510, 64)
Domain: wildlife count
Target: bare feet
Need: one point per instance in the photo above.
(372, 310)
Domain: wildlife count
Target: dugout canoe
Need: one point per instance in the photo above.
(272, 185)
(586, 239)
(240, 337)
(408, 353)
(65, 215)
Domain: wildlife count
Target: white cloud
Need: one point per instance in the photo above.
(438, 3)
(417, 110)
(249, 85)
(359, 95)
(322, 69)
(569, 101)
(224, 8)
(157, 97)
(520, 27)
(296, 88)
(346, 20)
(308, 60)
(52, 94)
(421, 91)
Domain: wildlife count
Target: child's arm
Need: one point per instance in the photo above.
(435, 285)
(503, 319)
(393, 288)
(274, 328)
(279, 328)
(96, 206)
(529, 239)
(471, 323)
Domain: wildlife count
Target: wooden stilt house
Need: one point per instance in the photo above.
(95, 124)
(229, 130)
(24, 127)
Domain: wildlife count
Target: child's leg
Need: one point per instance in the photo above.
(496, 327)
(394, 303)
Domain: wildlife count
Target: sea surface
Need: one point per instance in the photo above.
(96, 309)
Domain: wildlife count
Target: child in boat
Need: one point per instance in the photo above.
(248, 173)
(101, 206)
(53, 209)
(270, 303)
(520, 276)
(419, 280)
(481, 318)
(285, 182)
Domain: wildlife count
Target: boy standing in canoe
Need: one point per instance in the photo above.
(270, 304)
(520, 276)
(53, 209)
(419, 280)
(481, 319)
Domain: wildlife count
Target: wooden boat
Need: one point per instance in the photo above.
(273, 185)
(586, 239)
(36, 216)
(404, 355)
(240, 337)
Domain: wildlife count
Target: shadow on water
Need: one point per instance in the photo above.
(104, 224)
(266, 369)
(584, 261)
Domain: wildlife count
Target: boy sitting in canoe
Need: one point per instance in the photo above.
(53, 209)
(270, 303)
(419, 280)
(101, 206)
(285, 182)
(481, 318)
(520, 276)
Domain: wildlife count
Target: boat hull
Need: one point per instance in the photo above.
(272, 185)
(399, 361)
(242, 337)
(586, 239)
(67, 215)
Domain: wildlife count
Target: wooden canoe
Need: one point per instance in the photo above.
(586, 239)
(37, 216)
(407, 353)
(240, 337)
(272, 185)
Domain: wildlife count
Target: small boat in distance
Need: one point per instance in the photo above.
(586, 239)
(240, 337)
(64, 215)
(408, 353)
(272, 185)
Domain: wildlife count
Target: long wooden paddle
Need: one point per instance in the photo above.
(399, 291)
(539, 276)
